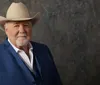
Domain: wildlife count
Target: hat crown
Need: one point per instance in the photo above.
(17, 10)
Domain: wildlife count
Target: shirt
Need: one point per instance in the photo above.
(23, 55)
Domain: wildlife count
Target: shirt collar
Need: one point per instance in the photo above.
(17, 49)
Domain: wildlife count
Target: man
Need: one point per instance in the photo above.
(23, 62)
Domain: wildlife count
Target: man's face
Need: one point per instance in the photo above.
(19, 33)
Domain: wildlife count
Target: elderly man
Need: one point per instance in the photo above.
(23, 62)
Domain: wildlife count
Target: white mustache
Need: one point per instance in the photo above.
(22, 35)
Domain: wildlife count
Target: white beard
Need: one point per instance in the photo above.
(21, 41)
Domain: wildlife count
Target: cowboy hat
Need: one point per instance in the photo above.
(18, 12)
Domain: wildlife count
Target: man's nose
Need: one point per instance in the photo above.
(21, 29)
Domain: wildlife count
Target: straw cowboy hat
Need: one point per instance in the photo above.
(18, 12)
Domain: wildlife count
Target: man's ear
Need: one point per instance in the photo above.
(5, 27)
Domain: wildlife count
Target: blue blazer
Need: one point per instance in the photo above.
(13, 70)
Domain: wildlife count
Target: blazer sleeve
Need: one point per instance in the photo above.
(56, 76)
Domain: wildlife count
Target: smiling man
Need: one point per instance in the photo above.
(19, 34)
(22, 61)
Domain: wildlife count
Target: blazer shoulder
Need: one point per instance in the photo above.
(39, 45)
(41, 48)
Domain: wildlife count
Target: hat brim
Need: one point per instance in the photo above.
(34, 19)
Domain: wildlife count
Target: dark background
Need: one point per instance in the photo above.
(71, 29)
